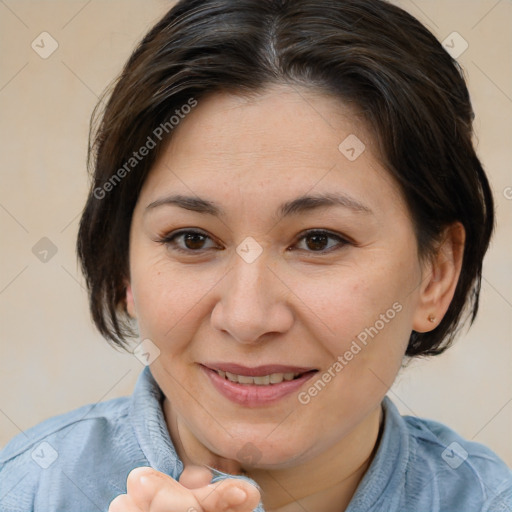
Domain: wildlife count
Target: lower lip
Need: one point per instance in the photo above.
(251, 395)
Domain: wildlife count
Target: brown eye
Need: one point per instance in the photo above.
(193, 240)
(187, 241)
(318, 241)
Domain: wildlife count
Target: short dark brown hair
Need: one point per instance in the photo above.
(368, 53)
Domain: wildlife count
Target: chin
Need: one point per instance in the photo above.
(260, 452)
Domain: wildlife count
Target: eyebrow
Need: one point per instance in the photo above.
(296, 206)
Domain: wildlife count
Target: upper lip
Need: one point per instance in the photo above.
(257, 371)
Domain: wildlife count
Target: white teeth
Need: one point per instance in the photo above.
(245, 380)
(263, 380)
(232, 377)
(276, 378)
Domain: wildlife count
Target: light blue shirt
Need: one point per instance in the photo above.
(79, 461)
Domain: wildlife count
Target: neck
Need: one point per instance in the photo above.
(324, 483)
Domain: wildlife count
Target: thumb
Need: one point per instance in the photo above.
(152, 490)
(228, 495)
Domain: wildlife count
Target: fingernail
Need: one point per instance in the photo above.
(237, 495)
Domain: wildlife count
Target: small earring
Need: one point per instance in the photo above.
(431, 318)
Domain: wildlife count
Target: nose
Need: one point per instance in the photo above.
(253, 302)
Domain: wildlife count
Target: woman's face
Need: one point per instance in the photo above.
(256, 291)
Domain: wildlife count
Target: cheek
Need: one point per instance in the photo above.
(169, 299)
(363, 313)
(368, 330)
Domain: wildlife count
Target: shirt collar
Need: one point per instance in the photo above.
(388, 467)
(148, 422)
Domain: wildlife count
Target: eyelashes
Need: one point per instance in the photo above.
(189, 235)
(193, 242)
(318, 236)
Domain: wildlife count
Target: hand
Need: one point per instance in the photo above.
(149, 490)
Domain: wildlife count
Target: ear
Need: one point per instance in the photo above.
(130, 303)
(439, 279)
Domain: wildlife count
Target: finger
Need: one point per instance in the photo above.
(194, 477)
(228, 495)
(158, 492)
(123, 503)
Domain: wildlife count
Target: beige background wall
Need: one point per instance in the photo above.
(51, 358)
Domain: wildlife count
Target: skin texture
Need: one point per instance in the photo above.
(299, 303)
(150, 490)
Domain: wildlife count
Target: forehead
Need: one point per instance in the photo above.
(278, 123)
(283, 140)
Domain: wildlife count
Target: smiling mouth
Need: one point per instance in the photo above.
(262, 380)
(259, 386)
